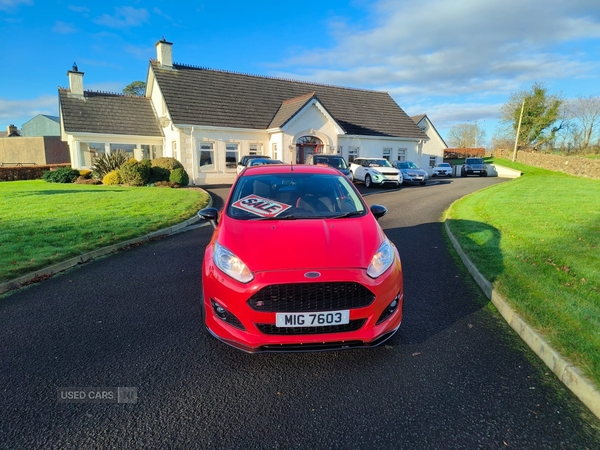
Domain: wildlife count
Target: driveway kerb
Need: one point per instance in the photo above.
(571, 376)
(52, 270)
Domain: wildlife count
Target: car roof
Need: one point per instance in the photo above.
(291, 168)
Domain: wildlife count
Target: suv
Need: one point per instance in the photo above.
(335, 161)
(374, 171)
(473, 166)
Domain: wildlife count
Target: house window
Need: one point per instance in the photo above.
(231, 156)
(387, 153)
(127, 148)
(352, 153)
(256, 149)
(339, 150)
(89, 151)
(432, 162)
(207, 155)
(401, 154)
(151, 151)
(275, 153)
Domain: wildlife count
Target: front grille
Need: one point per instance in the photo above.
(303, 297)
(273, 329)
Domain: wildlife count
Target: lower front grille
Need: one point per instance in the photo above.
(273, 329)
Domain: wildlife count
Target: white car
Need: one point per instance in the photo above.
(442, 170)
(376, 171)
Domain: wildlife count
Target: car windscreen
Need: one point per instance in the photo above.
(378, 163)
(474, 161)
(408, 165)
(338, 163)
(294, 196)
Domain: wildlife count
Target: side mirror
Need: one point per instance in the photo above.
(378, 211)
(211, 214)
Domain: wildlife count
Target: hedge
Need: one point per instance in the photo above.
(17, 173)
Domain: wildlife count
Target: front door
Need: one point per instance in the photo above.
(307, 145)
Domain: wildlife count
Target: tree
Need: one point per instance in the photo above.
(466, 135)
(137, 88)
(585, 111)
(541, 116)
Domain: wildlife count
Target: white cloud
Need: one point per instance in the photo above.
(64, 28)
(443, 52)
(10, 6)
(17, 112)
(125, 16)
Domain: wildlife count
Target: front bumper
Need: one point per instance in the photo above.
(252, 331)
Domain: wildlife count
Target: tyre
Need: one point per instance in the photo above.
(463, 173)
(368, 182)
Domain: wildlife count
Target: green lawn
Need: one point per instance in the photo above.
(44, 223)
(537, 239)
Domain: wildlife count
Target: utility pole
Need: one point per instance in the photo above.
(518, 131)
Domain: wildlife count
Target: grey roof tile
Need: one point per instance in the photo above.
(199, 96)
(106, 113)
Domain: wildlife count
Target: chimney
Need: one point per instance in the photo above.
(164, 53)
(11, 131)
(75, 81)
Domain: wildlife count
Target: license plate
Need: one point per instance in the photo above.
(314, 319)
(476, 171)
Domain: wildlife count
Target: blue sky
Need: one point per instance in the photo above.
(456, 61)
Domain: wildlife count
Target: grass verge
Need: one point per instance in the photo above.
(44, 223)
(537, 239)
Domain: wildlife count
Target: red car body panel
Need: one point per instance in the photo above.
(281, 252)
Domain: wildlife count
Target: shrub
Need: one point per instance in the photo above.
(84, 180)
(135, 173)
(180, 177)
(159, 174)
(85, 173)
(112, 177)
(62, 175)
(166, 162)
(104, 164)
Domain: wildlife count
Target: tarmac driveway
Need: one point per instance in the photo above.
(454, 376)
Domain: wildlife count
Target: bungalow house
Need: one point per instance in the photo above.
(208, 119)
(433, 149)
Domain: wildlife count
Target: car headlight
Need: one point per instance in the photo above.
(231, 264)
(382, 260)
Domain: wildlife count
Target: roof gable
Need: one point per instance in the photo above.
(199, 96)
(105, 113)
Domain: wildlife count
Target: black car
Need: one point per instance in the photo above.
(335, 161)
(473, 166)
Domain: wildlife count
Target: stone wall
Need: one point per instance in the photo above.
(573, 165)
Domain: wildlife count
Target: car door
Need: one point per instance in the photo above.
(361, 169)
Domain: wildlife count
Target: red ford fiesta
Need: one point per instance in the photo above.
(298, 262)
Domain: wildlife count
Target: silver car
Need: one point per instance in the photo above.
(411, 173)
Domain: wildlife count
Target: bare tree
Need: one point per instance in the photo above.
(585, 111)
(466, 135)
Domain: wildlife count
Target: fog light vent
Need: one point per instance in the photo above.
(387, 312)
(226, 316)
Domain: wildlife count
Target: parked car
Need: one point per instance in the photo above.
(442, 170)
(262, 161)
(411, 173)
(244, 161)
(336, 161)
(375, 171)
(264, 289)
(473, 166)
